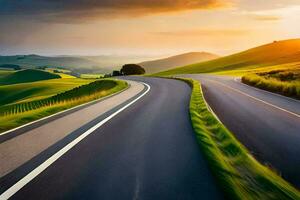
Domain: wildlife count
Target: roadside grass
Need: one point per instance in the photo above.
(243, 72)
(12, 116)
(25, 92)
(239, 174)
(285, 82)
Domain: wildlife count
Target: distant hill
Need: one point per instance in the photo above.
(79, 64)
(276, 53)
(10, 67)
(27, 75)
(32, 61)
(176, 61)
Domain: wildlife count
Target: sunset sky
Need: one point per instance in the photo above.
(143, 27)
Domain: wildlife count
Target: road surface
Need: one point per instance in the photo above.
(267, 124)
(147, 151)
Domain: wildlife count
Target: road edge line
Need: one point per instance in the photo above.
(265, 91)
(209, 108)
(34, 173)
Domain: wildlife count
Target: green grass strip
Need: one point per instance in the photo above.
(286, 88)
(237, 171)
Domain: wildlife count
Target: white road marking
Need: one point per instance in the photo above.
(73, 108)
(269, 104)
(238, 80)
(34, 173)
(209, 108)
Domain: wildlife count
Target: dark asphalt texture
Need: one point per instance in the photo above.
(148, 151)
(272, 135)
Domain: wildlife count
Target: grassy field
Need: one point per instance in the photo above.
(4, 73)
(271, 55)
(16, 114)
(28, 75)
(91, 76)
(57, 69)
(63, 73)
(282, 81)
(15, 93)
(237, 172)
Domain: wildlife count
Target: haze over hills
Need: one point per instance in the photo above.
(81, 64)
(175, 61)
(276, 53)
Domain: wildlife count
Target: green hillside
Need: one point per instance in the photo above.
(26, 102)
(10, 94)
(175, 61)
(28, 75)
(32, 61)
(78, 64)
(4, 73)
(276, 53)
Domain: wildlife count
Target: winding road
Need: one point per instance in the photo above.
(141, 146)
(267, 124)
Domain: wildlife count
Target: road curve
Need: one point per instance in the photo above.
(147, 151)
(267, 124)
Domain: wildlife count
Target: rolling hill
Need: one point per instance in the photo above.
(80, 64)
(175, 61)
(37, 90)
(27, 75)
(286, 52)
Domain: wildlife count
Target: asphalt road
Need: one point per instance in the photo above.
(19, 146)
(267, 124)
(147, 151)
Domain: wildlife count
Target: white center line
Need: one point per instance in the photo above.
(269, 104)
(21, 183)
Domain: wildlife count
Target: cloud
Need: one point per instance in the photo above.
(72, 10)
(261, 5)
(204, 32)
(266, 17)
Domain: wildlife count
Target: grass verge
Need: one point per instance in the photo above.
(18, 114)
(237, 172)
(284, 82)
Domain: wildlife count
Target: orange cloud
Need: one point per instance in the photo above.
(204, 32)
(68, 10)
(266, 17)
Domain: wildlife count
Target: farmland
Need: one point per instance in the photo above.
(27, 95)
(15, 93)
(33, 107)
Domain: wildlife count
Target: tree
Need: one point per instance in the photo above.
(132, 69)
(116, 73)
